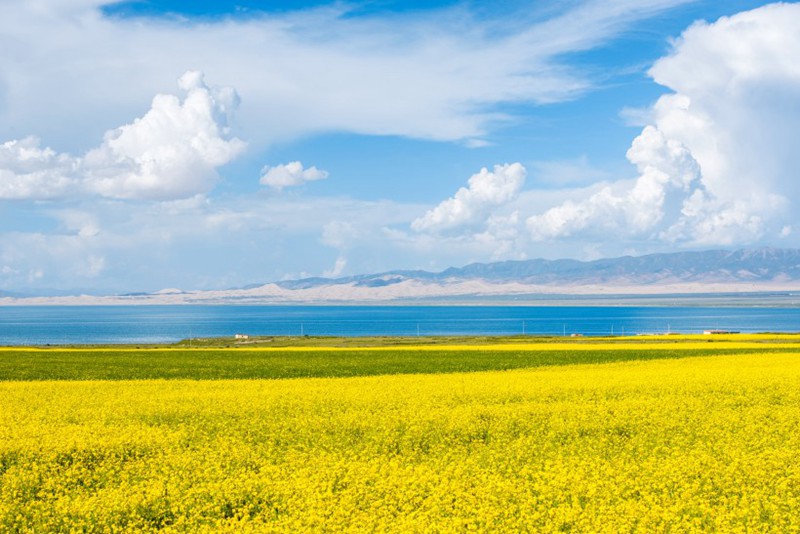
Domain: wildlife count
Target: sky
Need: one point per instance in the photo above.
(209, 145)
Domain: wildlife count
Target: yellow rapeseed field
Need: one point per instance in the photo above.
(654, 446)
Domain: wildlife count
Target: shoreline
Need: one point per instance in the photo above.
(766, 298)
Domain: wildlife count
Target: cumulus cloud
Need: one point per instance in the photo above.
(718, 164)
(472, 205)
(667, 170)
(502, 237)
(171, 152)
(290, 174)
(29, 171)
(478, 220)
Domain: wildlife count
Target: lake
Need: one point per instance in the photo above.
(24, 325)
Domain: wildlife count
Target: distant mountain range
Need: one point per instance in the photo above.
(714, 266)
(713, 271)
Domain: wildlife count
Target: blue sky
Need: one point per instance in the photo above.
(157, 144)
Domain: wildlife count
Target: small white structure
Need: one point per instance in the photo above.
(241, 336)
(713, 332)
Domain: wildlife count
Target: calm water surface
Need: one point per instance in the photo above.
(151, 324)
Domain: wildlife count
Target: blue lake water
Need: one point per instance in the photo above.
(154, 324)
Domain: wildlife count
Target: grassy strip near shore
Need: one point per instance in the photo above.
(273, 362)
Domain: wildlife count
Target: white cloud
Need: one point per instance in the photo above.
(666, 169)
(479, 221)
(82, 223)
(172, 152)
(226, 242)
(338, 268)
(231, 220)
(28, 171)
(289, 175)
(477, 143)
(94, 266)
(718, 164)
(34, 258)
(175, 207)
(339, 234)
(502, 237)
(472, 205)
(562, 173)
(736, 107)
(436, 75)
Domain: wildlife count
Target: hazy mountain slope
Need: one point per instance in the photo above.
(720, 266)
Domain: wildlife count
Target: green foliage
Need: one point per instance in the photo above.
(233, 363)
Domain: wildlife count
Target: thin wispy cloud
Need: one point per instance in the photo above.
(436, 76)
